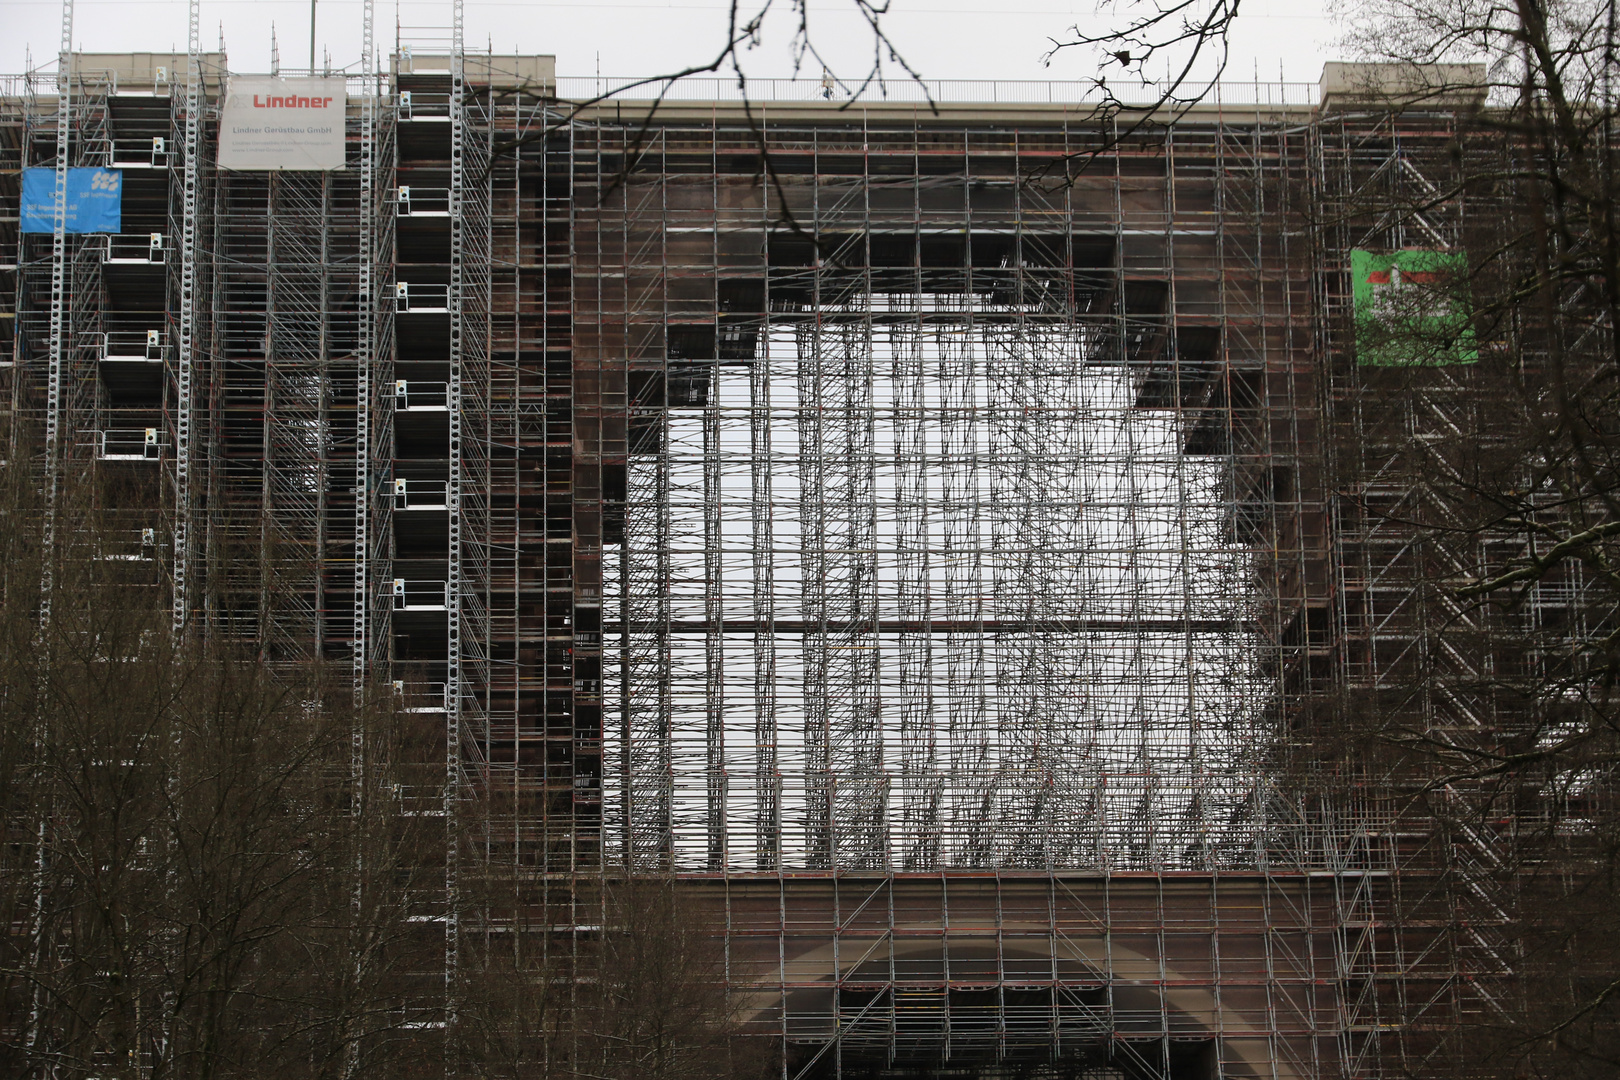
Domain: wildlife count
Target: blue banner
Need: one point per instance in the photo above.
(95, 200)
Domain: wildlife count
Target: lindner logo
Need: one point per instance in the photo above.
(277, 101)
(104, 181)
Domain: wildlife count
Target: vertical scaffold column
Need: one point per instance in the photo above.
(714, 619)
(186, 329)
(59, 309)
(365, 358)
(83, 407)
(452, 584)
(921, 781)
(499, 288)
(373, 388)
(762, 560)
(767, 771)
(299, 386)
(636, 244)
(468, 577)
(458, 686)
(375, 454)
(37, 936)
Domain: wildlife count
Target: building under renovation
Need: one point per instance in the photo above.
(904, 522)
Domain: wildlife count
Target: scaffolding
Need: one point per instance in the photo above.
(993, 589)
(1006, 452)
(1423, 660)
(375, 394)
(924, 555)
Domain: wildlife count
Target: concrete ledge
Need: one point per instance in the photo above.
(1386, 86)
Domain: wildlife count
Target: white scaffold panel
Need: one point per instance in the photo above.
(271, 124)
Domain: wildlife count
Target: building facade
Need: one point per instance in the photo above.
(905, 524)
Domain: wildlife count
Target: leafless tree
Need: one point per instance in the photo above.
(1496, 443)
(216, 868)
(640, 996)
(202, 879)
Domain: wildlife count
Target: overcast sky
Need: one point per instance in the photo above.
(954, 39)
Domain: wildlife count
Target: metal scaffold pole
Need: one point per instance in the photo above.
(186, 328)
(37, 943)
(455, 687)
(365, 483)
(60, 301)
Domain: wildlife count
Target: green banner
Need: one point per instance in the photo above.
(1411, 308)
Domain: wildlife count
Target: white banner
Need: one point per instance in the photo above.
(273, 123)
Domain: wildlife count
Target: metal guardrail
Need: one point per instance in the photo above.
(423, 201)
(421, 595)
(420, 697)
(150, 153)
(417, 395)
(129, 545)
(41, 84)
(416, 105)
(421, 297)
(129, 346)
(906, 91)
(129, 248)
(421, 495)
(421, 106)
(422, 41)
(129, 444)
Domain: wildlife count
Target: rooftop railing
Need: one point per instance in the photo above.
(940, 91)
(899, 91)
